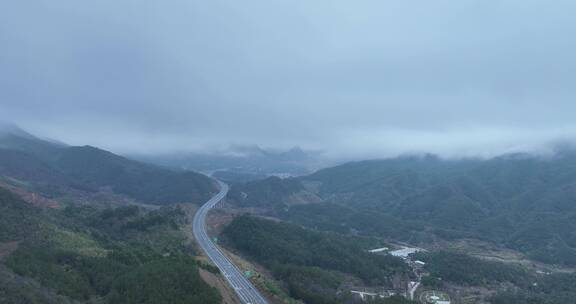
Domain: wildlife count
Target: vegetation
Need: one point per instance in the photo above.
(514, 284)
(348, 220)
(270, 192)
(519, 201)
(54, 169)
(121, 255)
(312, 264)
(126, 275)
(392, 300)
(550, 289)
(167, 280)
(92, 169)
(17, 218)
(462, 269)
(18, 290)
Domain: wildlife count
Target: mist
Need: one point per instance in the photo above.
(363, 79)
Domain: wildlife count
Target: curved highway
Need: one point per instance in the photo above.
(247, 293)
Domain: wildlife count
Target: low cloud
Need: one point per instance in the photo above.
(369, 79)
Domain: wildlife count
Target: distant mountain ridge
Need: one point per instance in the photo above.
(242, 162)
(49, 165)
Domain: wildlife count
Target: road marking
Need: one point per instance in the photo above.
(234, 276)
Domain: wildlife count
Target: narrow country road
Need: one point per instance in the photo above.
(247, 293)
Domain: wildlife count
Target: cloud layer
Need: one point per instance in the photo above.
(365, 79)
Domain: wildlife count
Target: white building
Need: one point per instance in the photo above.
(378, 250)
(404, 252)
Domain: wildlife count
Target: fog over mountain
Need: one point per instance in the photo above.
(356, 79)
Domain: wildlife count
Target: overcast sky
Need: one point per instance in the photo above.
(367, 78)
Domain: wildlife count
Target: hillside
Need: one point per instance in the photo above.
(314, 266)
(55, 169)
(59, 244)
(13, 137)
(522, 202)
(89, 255)
(93, 169)
(506, 284)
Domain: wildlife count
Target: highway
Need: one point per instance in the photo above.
(247, 293)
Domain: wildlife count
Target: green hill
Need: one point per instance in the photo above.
(93, 169)
(52, 168)
(14, 138)
(314, 265)
(88, 255)
(520, 201)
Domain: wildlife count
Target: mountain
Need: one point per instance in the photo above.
(95, 169)
(52, 167)
(82, 254)
(73, 227)
(13, 137)
(522, 202)
(240, 163)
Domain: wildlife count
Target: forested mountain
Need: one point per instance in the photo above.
(521, 201)
(14, 138)
(93, 169)
(58, 247)
(92, 255)
(52, 168)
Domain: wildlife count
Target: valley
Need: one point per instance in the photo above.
(405, 230)
(287, 152)
(478, 210)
